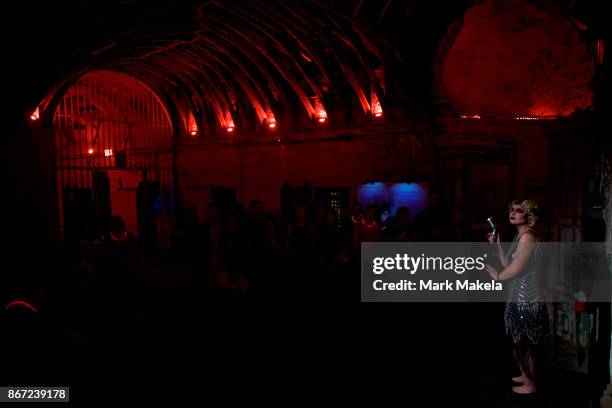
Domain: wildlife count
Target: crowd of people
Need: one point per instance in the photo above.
(248, 250)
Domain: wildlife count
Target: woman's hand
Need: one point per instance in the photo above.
(500, 249)
(492, 271)
(490, 238)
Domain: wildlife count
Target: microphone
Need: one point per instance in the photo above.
(493, 227)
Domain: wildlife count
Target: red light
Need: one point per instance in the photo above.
(229, 122)
(107, 152)
(376, 107)
(320, 112)
(192, 125)
(22, 303)
(470, 116)
(270, 118)
(35, 115)
(90, 151)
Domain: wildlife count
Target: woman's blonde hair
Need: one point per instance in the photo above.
(530, 208)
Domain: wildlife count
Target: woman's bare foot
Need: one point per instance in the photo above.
(527, 388)
(520, 379)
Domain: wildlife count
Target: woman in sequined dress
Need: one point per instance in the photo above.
(525, 313)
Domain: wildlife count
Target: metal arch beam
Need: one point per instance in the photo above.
(244, 83)
(351, 78)
(302, 41)
(237, 71)
(252, 58)
(369, 46)
(289, 78)
(278, 46)
(238, 65)
(184, 79)
(220, 102)
(188, 79)
(220, 93)
(370, 73)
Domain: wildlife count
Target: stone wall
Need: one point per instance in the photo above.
(259, 170)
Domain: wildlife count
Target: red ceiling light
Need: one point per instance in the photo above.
(270, 118)
(375, 105)
(90, 151)
(36, 114)
(192, 125)
(320, 112)
(229, 122)
(470, 116)
(271, 121)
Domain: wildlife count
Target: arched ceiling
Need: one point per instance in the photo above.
(252, 58)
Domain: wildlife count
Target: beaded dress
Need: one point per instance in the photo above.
(525, 313)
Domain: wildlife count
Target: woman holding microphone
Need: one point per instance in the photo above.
(525, 314)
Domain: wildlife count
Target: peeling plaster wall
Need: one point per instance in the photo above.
(512, 58)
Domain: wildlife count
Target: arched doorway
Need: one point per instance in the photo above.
(114, 157)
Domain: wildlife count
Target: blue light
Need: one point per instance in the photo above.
(374, 192)
(410, 195)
